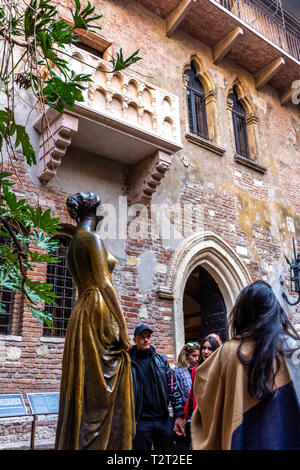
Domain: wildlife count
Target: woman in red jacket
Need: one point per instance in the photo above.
(208, 345)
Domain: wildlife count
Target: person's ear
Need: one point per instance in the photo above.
(134, 339)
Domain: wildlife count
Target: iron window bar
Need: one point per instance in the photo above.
(240, 127)
(7, 298)
(60, 277)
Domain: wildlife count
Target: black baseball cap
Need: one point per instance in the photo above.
(139, 329)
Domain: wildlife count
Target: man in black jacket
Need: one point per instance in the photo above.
(154, 388)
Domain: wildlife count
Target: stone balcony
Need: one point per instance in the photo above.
(123, 118)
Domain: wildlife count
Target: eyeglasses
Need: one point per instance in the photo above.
(193, 343)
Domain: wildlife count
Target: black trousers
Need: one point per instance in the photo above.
(156, 434)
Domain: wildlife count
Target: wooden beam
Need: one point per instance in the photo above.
(288, 93)
(264, 75)
(222, 48)
(177, 15)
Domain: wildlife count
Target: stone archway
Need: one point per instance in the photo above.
(212, 253)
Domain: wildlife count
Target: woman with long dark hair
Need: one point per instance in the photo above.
(207, 346)
(244, 392)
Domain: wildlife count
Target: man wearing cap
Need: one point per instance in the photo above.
(154, 388)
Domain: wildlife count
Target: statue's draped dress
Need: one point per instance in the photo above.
(96, 409)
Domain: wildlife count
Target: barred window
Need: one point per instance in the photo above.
(6, 303)
(196, 104)
(240, 126)
(64, 287)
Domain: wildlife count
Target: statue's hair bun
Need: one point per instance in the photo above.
(80, 202)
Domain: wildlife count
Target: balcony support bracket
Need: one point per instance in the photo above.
(56, 132)
(264, 75)
(177, 16)
(223, 47)
(146, 175)
(290, 92)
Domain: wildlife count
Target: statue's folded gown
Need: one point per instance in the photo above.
(96, 408)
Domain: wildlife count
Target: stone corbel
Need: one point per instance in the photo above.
(55, 137)
(177, 16)
(146, 176)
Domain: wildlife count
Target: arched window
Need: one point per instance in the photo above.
(239, 125)
(196, 104)
(64, 287)
(6, 302)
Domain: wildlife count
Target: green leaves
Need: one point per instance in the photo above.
(120, 63)
(28, 233)
(9, 129)
(42, 316)
(38, 14)
(43, 220)
(82, 19)
(22, 138)
(60, 92)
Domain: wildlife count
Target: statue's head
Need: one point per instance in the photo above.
(81, 203)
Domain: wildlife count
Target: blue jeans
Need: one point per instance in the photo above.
(158, 433)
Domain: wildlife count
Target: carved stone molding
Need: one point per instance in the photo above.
(146, 175)
(248, 162)
(207, 144)
(55, 138)
(252, 118)
(210, 251)
(196, 249)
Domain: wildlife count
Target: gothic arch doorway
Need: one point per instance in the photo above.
(210, 252)
(204, 309)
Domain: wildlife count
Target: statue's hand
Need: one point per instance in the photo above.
(125, 342)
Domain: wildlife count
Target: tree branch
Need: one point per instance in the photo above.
(13, 235)
(14, 41)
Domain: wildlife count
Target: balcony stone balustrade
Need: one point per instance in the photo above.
(123, 118)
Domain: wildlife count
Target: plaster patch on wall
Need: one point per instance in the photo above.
(242, 250)
(13, 353)
(290, 224)
(43, 351)
(146, 271)
(161, 268)
(143, 312)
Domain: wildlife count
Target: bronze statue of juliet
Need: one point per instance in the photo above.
(96, 409)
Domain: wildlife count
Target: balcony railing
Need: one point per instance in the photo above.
(123, 118)
(273, 25)
(128, 98)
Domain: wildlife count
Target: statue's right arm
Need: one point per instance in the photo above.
(98, 260)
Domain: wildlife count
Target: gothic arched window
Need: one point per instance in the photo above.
(60, 277)
(196, 104)
(239, 125)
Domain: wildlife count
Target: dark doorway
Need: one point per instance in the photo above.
(204, 307)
